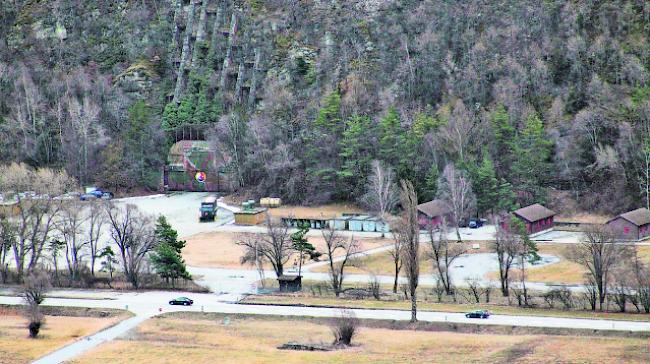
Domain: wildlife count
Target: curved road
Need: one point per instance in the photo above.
(148, 304)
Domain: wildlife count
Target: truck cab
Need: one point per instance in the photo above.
(208, 211)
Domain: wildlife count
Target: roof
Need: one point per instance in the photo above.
(288, 278)
(638, 217)
(534, 212)
(434, 208)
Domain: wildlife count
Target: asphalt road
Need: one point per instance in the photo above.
(148, 304)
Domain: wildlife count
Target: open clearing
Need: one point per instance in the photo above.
(206, 339)
(16, 347)
(219, 249)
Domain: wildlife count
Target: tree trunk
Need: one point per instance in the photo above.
(414, 306)
(180, 80)
(396, 277)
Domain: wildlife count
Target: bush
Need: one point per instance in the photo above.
(344, 328)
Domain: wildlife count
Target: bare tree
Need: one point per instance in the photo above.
(458, 132)
(36, 214)
(409, 232)
(455, 188)
(396, 255)
(443, 254)
(381, 195)
(506, 246)
(94, 225)
(599, 254)
(70, 225)
(7, 241)
(275, 246)
(133, 234)
(335, 243)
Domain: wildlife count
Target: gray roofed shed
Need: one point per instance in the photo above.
(434, 208)
(638, 217)
(534, 213)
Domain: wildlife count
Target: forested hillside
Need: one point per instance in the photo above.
(301, 96)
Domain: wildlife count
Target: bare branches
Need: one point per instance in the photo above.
(443, 254)
(599, 255)
(335, 243)
(455, 188)
(133, 233)
(408, 232)
(275, 246)
(381, 195)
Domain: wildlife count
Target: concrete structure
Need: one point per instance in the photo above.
(340, 223)
(632, 225)
(193, 166)
(433, 213)
(253, 216)
(356, 222)
(536, 218)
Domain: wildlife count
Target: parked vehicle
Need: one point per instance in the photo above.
(183, 301)
(208, 211)
(475, 223)
(93, 192)
(482, 314)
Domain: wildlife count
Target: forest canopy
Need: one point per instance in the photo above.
(535, 101)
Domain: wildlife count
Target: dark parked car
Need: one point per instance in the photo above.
(482, 314)
(475, 223)
(183, 301)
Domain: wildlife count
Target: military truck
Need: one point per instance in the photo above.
(208, 209)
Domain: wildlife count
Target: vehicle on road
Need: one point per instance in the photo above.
(208, 211)
(183, 301)
(482, 314)
(94, 193)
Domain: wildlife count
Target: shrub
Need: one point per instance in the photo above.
(344, 328)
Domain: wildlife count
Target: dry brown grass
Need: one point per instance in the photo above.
(254, 340)
(16, 347)
(219, 249)
(584, 218)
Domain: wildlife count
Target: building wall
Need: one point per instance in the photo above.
(539, 225)
(425, 221)
(626, 230)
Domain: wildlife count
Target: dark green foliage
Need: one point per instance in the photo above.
(166, 258)
(340, 85)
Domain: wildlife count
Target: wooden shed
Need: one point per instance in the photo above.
(536, 217)
(632, 225)
(254, 216)
(290, 283)
(433, 213)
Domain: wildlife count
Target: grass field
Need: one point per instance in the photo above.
(16, 347)
(432, 305)
(205, 339)
(219, 249)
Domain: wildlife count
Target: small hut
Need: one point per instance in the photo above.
(632, 225)
(536, 217)
(433, 213)
(290, 283)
